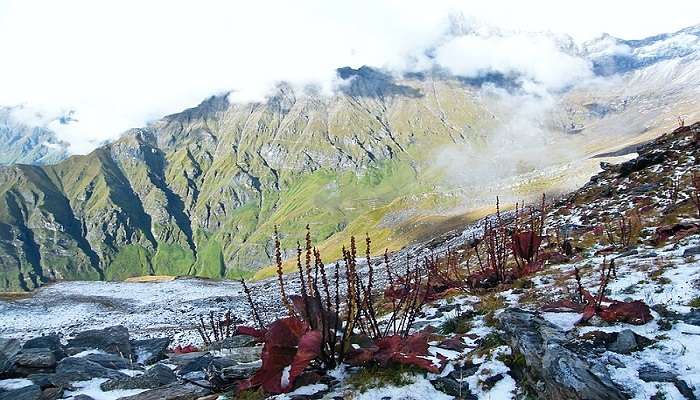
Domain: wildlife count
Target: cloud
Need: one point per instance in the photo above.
(120, 64)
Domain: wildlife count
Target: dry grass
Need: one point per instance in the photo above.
(151, 278)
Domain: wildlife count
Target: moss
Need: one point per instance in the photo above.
(250, 394)
(695, 303)
(377, 377)
(488, 305)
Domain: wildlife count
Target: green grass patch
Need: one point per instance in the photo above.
(378, 377)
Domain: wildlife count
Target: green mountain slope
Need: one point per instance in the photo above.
(200, 192)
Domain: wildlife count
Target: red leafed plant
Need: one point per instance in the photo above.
(290, 345)
(408, 350)
(633, 312)
(184, 349)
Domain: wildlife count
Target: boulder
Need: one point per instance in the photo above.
(8, 350)
(72, 369)
(453, 387)
(157, 376)
(110, 361)
(234, 342)
(43, 380)
(174, 391)
(554, 371)
(114, 339)
(150, 351)
(52, 393)
(51, 342)
(29, 392)
(36, 358)
(625, 342)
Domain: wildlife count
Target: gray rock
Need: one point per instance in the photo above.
(36, 358)
(114, 339)
(625, 342)
(233, 342)
(110, 361)
(72, 369)
(52, 342)
(41, 379)
(82, 397)
(157, 376)
(150, 351)
(240, 371)
(650, 373)
(553, 371)
(242, 354)
(184, 359)
(197, 365)
(8, 350)
(691, 251)
(53, 393)
(31, 392)
(454, 388)
(173, 391)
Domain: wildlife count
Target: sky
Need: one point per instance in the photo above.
(120, 64)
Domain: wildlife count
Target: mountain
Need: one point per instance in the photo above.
(200, 192)
(25, 144)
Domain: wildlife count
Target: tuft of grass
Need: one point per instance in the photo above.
(376, 377)
(249, 394)
(488, 305)
(695, 303)
(457, 324)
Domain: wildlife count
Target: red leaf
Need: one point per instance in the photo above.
(633, 312)
(361, 351)
(525, 244)
(309, 348)
(288, 345)
(186, 349)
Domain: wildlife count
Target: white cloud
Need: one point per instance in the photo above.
(119, 64)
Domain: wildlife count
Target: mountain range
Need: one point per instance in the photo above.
(404, 157)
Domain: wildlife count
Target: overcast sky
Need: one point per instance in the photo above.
(119, 64)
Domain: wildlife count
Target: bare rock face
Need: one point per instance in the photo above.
(114, 339)
(554, 371)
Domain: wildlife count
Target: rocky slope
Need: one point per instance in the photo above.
(513, 340)
(199, 192)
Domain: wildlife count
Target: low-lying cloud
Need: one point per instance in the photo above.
(119, 64)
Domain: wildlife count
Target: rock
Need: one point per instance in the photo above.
(691, 251)
(240, 371)
(82, 397)
(30, 392)
(650, 373)
(41, 379)
(242, 354)
(454, 388)
(8, 350)
(643, 161)
(53, 393)
(553, 371)
(110, 361)
(691, 318)
(157, 376)
(234, 342)
(186, 358)
(36, 358)
(150, 351)
(52, 342)
(174, 391)
(625, 342)
(72, 369)
(197, 365)
(114, 339)
(491, 381)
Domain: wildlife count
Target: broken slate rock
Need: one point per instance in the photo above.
(150, 351)
(174, 391)
(157, 376)
(30, 392)
(114, 339)
(110, 361)
(8, 350)
(52, 342)
(36, 358)
(73, 369)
